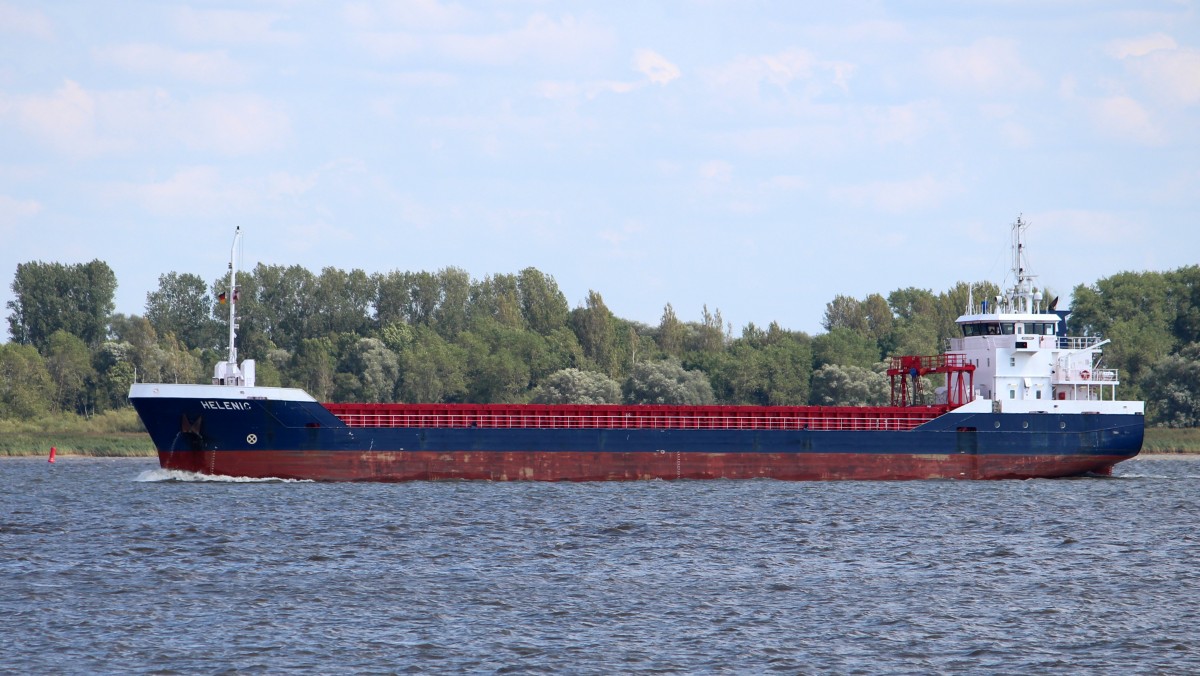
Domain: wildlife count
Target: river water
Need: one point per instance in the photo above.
(116, 566)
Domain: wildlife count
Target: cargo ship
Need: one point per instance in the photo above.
(1017, 398)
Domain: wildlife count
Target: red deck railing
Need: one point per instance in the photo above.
(506, 416)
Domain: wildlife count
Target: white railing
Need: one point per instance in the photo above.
(1092, 377)
(1078, 342)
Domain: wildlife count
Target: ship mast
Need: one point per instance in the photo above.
(1024, 296)
(233, 297)
(227, 372)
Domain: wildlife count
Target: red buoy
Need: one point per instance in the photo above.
(53, 450)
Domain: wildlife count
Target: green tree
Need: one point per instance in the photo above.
(69, 364)
(763, 368)
(739, 375)
(671, 333)
(452, 314)
(1184, 285)
(115, 372)
(1173, 388)
(341, 302)
(313, 367)
(844, 347)
(178, 364)
(498, 298)
(572, 386)
(48, 297)
(709, 334)
(666, 382)
(410, 297)
(26, 389)
(845, 312)
(838, 385)
(377, 369)
(788, 361)
(148, 358)
(1136, 311)
(879, 318)
(595, 327)
(503, 361)
(182, 305)
(276, 308)
(432, 370)
(543, 305)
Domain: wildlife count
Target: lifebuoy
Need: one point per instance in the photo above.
(1085, 374)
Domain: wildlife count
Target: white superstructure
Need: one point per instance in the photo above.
(1022, 356)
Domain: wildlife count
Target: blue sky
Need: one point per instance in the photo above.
(755, 157)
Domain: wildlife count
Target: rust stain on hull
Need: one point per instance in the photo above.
(626, 466)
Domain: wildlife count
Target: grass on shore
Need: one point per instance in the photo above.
(120, 433)
(112, 433)
(1171, 440)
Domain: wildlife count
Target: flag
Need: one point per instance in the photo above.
(221, 298)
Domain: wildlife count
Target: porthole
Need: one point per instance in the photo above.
(997, 424)
(1025, 425)
(1062, 425)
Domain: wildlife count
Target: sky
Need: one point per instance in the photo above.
(758, 158)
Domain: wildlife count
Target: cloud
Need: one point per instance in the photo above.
(619, 240)
(790, 74)
(65, 120)
(896, 196)
(205, 67)
(904, 123)
(1170, 72)
(1174, 75)
(1125, 118)
(1141, 46)
(235, 125)
(232, 27)
(423, 15)
(991, 65)
(788, 183)
(193, 192)
(836, 129)
(716, 170)
(541, 39)
(567, 91)
(1071, 227)
(81, 123)
(13, 211)
(203, 191)
(654, 66)
(281, 185)
(23, 21)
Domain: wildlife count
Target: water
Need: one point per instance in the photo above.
(115, 566)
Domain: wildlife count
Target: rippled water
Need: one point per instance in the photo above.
(112, 565)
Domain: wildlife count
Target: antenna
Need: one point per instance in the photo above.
(233, 296)
(227, 372)
(1022, 295)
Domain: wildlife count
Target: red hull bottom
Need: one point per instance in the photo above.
(566, 466)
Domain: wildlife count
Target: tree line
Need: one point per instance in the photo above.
(509, 338)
